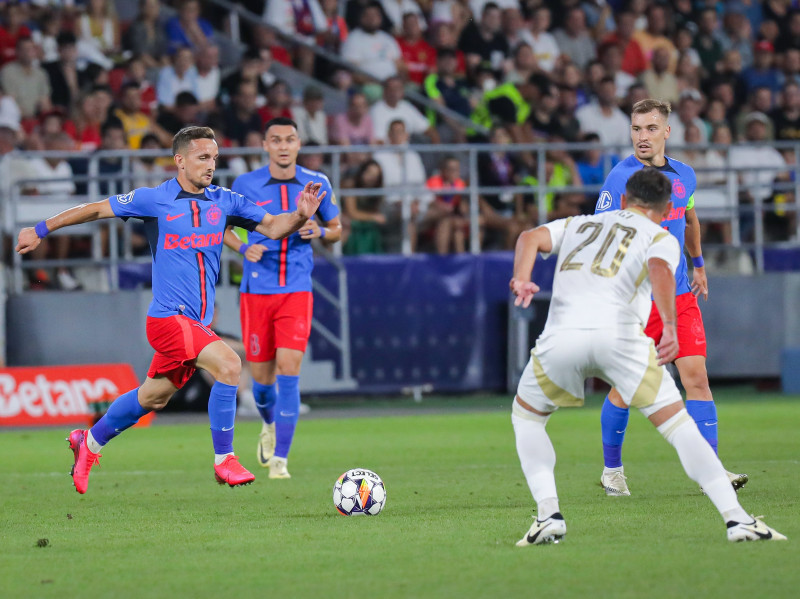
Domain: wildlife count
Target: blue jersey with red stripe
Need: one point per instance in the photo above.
(287, 264)
(684, 183)
(185, 232)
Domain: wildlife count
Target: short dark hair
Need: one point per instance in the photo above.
(186, 99)
(188, 134)
(648, 105)
(648, 188)
(279, 120)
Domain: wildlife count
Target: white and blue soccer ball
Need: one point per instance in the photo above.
(359, 492)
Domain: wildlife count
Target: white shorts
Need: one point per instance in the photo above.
(623, 357)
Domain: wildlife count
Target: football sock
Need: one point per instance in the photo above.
(702, 465)
(122, 414)
(704, 413)
(613, 422)
(287, 411)
(221, 415)
(537, 458)
(266, 396)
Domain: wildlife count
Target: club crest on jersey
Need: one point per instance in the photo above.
(678, 189)
(126, 198)
(604, 202)
(213, 215)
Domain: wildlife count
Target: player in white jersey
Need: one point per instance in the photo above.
(608, 265)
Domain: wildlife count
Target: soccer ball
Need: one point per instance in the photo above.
(359, 492)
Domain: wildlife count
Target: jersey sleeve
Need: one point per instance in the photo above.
(611, 193)
(245, 209)
(139, 203)
(558, 229)
(328, 209)
(666, 247)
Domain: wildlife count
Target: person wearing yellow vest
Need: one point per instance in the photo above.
(508, 104)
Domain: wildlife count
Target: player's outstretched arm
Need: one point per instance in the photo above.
(529, 244)
(663, 281)
(282, 225)
(30, 237)
(699, 278)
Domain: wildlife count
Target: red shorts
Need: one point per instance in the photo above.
(273, 321)
(691, 333)
(178, 341)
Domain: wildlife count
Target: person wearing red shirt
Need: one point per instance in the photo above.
(279, 103)
(633, 59)
(418, 55)
(12, 30)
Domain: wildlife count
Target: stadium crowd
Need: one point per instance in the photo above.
(74, 76)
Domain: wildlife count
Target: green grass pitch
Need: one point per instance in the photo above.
(155, 524)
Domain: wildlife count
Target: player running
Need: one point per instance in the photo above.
(276, 301)
(607, 266)
(649, 132)
(185, 219)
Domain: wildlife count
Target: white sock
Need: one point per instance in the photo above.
(607, 470)
(538, 460)
(93, 445)
(702, 465)
(220, 457)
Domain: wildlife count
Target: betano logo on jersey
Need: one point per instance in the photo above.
(675, 214)
(173, 241)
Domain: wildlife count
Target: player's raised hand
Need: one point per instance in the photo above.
(254, 252)
(700, 282)
(309, 199)
(524, 290)
(27, 241)
(310, 230)
(667, 348)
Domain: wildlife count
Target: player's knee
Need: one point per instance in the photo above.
(229, 369)
(156, 400)
(696, 384)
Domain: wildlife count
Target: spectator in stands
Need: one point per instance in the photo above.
(560, 171)
(762, 72)
(636, 92)
(447, 214)
(688, 110)
(499, 211)
(483, 41)
(63, 74)
(372, 50)
(302, 18)
(569, 126)
(446, 38)
(186, 112)
(611, 59)
(363, 215)
(760, 100)
(418, 55)
(255, 68)
(135, 122)
(279, 102)
(544, 45)
(25, 81)
(654, 36)
(188, 28)
(147, 170)
(335, 31)
(708, 42)
(402, 168)
(146, 36)
(790, 67)
(730, 70)
(241, 117)
(514, 27)
(446, 88)
(737, 34)
(245, 163)
(523, 64)
(575, 40)
(604, 116)
(312, 122)
(208, 76)
(10, 115)
(136, 72)
(353, 128)
(180, 76)
(786, 117)
(658, 79)
(86, 119)
(594, 164)
(112, 138)
(790, 34)
(393, 107)
(12, 29)
(509, 105)
(397, 10)
(98, 33)
(543, 119)
(634, 61)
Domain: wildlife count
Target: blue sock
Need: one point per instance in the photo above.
(704, 413)
(287, 411)
(613, 422)
(266, 396)
(221, 414)
(122, 414)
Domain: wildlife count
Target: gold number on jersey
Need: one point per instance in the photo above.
(616, 262)
(596, 228)
(622, 250)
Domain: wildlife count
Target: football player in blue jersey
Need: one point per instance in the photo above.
(649, 132)
(185, 219)
(276, 301)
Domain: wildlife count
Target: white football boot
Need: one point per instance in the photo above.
(754, 531)
(277, 468)
(266, 444)
(549, 530)
(614, 483)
